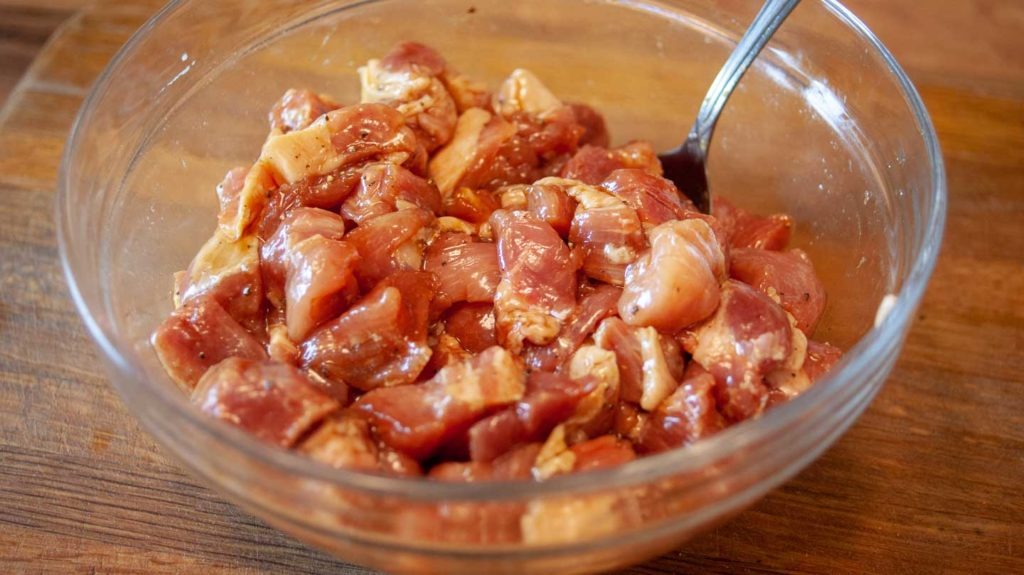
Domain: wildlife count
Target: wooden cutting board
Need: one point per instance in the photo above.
(929, 480)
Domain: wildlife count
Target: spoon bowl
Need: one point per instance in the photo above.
(686, 166)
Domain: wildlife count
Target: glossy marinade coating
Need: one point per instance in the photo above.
(469, 285)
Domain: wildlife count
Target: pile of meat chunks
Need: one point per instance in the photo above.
(443, 281)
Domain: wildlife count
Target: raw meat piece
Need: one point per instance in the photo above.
(675, 283)
(381, 340)
(273, 401)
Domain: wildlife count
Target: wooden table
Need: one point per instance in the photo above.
(930, 480)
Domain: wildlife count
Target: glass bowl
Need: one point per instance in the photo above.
(826, 127)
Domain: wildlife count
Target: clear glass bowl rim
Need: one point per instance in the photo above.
(692, 458)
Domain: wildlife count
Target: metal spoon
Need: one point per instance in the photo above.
(685, 165)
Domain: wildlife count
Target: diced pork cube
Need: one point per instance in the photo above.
(650, 364)
(602, 452)
(229, 272)
(549, 399)
(676, 282)
(551, 204)
(593, 162)
(685, 416)
(297, 225)
(390, 243)
(381, 340)
(384, 188)
(596, 368)
(595, 131)
(337, 140)
(594, 305)
(748, 336)
(320, 284)
(821, 357)
(297, 109)
(537, 292)
(473, 326)
(466, 270)
(409, 81)
(345, 441)
(786, 276)
(198, 335)
(418, 419)
(655, 199)
(273, 401)
(747, 230)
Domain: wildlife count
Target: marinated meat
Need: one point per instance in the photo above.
(787, 277)
(472, 205)
(601, 453)
(529, 135)
(607, 232)
(280, 347)
(477, 138)
(418, 419)
(537, 292)
(655, 199)
(685, 416)
(229, 192)
(199, 335)
(675, 283)
(337, 140)
(593, 163)
(549, 399)
(381, 340)
(408, 79)
(229, 272)
(320, 283)
(514, 464)
(297, 109)
(473, 326)
(296, 226)
(746, 230)
(389, 243)
(273, 401)
(464, 285)
(650, 365)
(551, 204)
(594, 415)
(595, 131)
(467, 270)
(593, 307)
(325, 191)
(556, 457)
(384, 188)
(523, 92)
(748, 336)
(820, 359)
(345, 441)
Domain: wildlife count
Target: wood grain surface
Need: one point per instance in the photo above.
(928, 481)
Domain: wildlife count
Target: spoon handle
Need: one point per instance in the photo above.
(767, 21)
